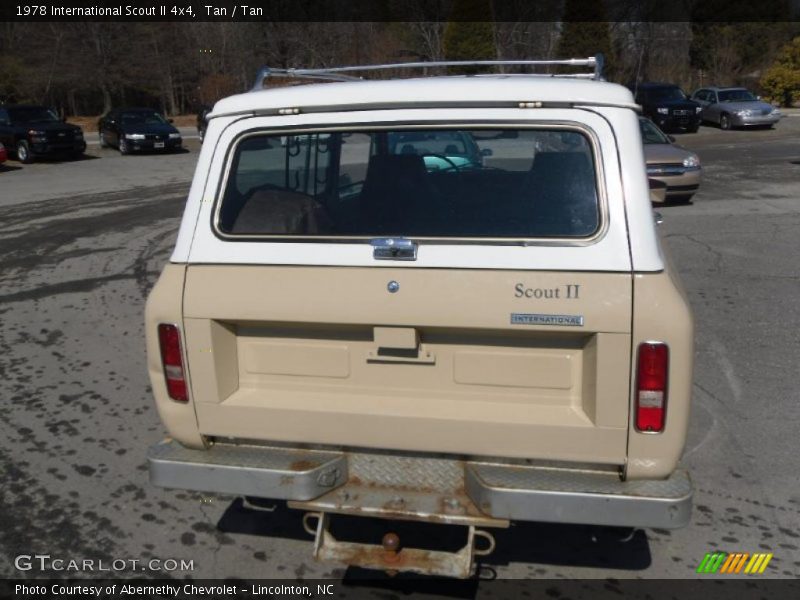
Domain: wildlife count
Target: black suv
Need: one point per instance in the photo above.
(667, 106)
(30, 131)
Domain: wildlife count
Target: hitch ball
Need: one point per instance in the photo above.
(391, 545)
(391, 542)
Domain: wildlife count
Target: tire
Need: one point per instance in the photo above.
(123, 146)
(103, 142)
(725, 122)
(24, 153)
(694, 129)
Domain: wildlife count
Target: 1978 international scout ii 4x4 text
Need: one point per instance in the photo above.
(439, 299)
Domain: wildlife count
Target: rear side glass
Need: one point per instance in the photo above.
(441, 183)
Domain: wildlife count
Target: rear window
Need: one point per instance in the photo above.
(438, 183)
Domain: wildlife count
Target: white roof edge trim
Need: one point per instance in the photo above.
(421, 105)
(501, 90)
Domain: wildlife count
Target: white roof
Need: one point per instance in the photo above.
(456, 90)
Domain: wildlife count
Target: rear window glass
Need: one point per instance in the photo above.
(440, 183)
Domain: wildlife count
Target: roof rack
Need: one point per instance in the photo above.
(340, 73)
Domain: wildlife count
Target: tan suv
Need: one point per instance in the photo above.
(439, 299)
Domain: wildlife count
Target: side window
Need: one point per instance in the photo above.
(276, 185)
(712, 97)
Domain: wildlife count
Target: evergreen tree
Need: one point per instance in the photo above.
(584, 31)
(469, 34)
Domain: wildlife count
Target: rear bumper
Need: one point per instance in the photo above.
(566, 496)
(423, 488)
(282, 474)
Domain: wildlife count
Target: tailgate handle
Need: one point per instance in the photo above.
(393, 249)
(399, 344)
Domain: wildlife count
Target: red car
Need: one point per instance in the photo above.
(3, 154)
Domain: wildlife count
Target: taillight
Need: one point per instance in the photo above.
(651, 387)
(169, 337)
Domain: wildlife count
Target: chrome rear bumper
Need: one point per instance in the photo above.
(434, 489)
(278, 473)
(590, 497)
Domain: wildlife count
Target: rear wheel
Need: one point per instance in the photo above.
(725, 122)
(24, 152)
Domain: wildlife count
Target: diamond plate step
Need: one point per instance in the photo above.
(405, 488)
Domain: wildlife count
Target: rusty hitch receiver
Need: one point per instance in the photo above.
(390, 557)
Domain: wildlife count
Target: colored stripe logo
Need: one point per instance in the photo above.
(734, 563)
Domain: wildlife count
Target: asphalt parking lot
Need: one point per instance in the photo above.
(82, 243)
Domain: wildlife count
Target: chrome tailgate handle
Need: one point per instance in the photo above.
(393, 249)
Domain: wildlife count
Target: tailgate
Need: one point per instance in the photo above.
(528, 364)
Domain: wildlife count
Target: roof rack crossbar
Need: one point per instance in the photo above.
(338, 73)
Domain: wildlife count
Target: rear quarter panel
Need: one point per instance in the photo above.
(661, 312)
(164, 305)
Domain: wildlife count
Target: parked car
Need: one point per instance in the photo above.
(345, 327)
(735, 107)
(668, 106)
(31, 131)
(439, 149)
(3, 153)
(137, 129)
(679, 169)
(202, 121)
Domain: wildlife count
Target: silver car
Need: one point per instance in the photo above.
(735, 107)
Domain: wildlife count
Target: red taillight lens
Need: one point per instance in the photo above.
(651, 386)
(170, 340)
